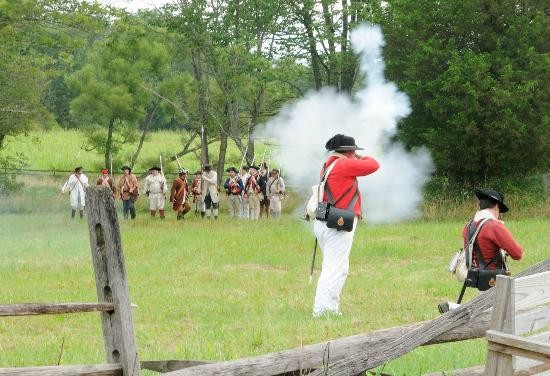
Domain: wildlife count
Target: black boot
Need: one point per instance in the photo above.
(73, 212)
(133, 213)
(178, 217)
(81, 214)
(203, 214)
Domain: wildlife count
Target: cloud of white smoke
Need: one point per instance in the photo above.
(394, 192)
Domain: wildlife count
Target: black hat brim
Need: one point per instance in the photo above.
(502, 207)
(348, 148)
(155, 168)
(125, 168)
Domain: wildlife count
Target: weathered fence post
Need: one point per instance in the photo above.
(110, 277)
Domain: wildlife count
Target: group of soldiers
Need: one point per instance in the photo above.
(252, 192)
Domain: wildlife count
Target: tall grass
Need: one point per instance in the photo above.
(60, 149)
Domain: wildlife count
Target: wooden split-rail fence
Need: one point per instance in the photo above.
(348, 356)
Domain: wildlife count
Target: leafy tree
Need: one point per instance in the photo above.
(477, 76)
(114, 87)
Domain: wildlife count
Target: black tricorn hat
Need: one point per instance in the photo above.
(126, 168)
(341, 142)
(183, 171)
(254, 167)
(155, 168)
(232, 169)
(494, 196)
(79, 168)
(207, 167)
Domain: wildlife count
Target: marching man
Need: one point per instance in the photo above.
(75, 185)
(234, 187)
(210, 191)
(155, 189)
(106, 181)
(253, 193)
(178, 195)
(275, 192)
(128, 188)
(196, 191)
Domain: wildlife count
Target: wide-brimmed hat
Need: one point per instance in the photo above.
(341, 142)
(232, 169)
(493, 195)
(156, 168)
(126, 168)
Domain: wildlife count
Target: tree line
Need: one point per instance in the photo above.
(476, 73)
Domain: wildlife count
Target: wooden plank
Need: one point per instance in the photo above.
(533, 290)
(521, 346)
(532, 320)
(95, 370)
(110, 276)
(356, 354)
(499, 363)
(470, 371)
(539, 369)
(164, 366)
(25, 309)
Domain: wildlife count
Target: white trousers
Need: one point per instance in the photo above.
(336, 247)
(234, 203)
(156, 201)
(254, 206)
(245, 208)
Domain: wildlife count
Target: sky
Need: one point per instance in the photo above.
(134, 5)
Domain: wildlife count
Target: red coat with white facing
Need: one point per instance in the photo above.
(344, 175)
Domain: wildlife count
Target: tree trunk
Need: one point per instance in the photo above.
(329, 25)
(348, 63)
(109, 143)
(221, 156)
(255, 115)
(312, 46)
(198, 74)
(147, 123)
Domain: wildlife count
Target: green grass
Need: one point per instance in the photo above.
(227, 289)
(60, 149)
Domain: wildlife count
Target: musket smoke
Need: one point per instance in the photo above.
(394, 192)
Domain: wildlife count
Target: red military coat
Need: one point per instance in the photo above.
(344, 174)
(492, 237)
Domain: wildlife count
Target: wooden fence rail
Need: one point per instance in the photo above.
(53, 308)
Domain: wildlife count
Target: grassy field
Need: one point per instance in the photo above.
(61, 150)
(227, 289)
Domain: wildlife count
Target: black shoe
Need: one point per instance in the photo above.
(443, 307)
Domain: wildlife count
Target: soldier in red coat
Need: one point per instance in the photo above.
(494, 240)
(336, 245)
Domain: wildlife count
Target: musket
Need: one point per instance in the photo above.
(313, 261)
(64, 186)
(161, 170)
(177, 160)
(111, 167)
(244, 156)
